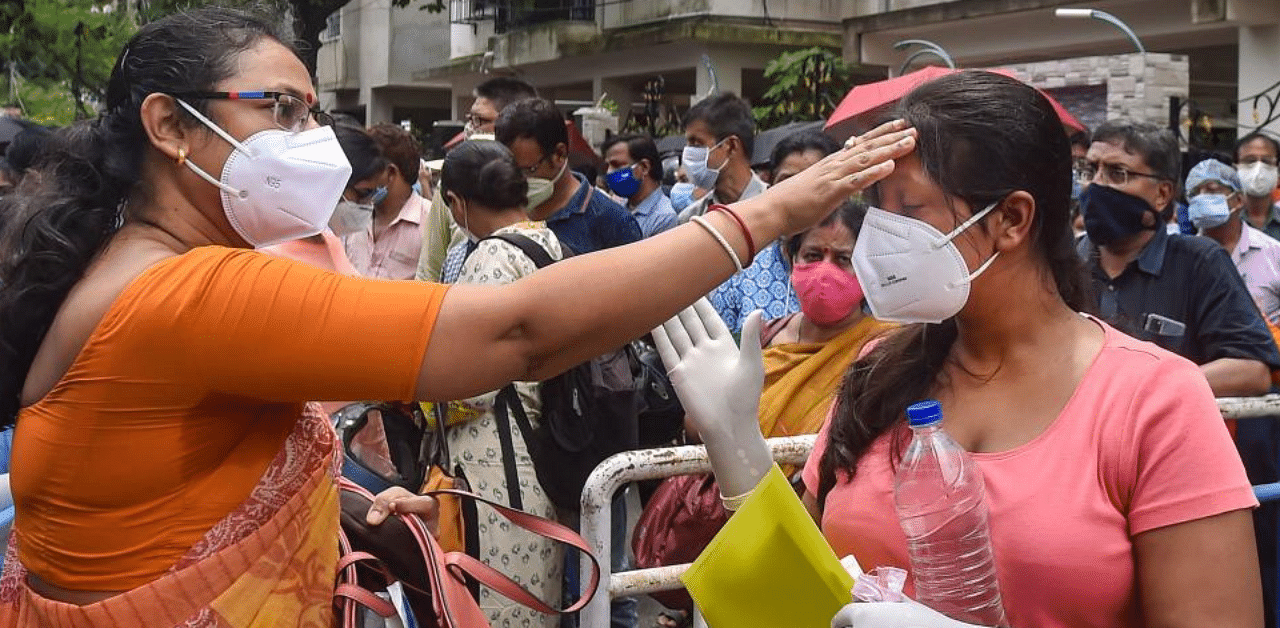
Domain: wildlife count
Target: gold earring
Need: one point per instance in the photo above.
(182, 156)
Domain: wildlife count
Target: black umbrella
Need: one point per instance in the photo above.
(766, 140)
(671, 144)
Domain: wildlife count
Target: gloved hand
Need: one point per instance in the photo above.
(908, 614)
(719, 386)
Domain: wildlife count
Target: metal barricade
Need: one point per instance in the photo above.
(651, 464)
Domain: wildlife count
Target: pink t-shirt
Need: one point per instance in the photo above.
(1139, 446)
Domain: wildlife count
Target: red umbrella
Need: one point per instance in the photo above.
(865, 104)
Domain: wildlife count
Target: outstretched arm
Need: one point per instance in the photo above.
(590, 304)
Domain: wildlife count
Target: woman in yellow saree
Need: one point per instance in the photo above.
(807, 353)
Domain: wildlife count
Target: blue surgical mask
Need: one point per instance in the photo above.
(623, 181)
(681, 195)
(695, 159)
(1208, 210)
(379, 195)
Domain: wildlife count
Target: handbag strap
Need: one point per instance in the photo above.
(509, 400)
(537, 525)
(347, 593)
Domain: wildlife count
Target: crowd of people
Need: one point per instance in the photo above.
(1074, 303)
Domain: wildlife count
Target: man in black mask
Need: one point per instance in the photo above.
(1181, 292)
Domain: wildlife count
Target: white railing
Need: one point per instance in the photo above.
(652, 464)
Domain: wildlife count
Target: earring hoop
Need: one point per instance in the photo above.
(182, 156)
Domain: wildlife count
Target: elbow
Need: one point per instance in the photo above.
(1238, 378)
(1255, 379)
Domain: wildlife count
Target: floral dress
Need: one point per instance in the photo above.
(534, 562)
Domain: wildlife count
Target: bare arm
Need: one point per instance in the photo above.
(1200, 573)
(485, 337)
(1237, 377)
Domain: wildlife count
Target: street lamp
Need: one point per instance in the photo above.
(927, 48)
(1104, 17)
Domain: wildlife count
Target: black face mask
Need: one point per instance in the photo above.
(1111, 215)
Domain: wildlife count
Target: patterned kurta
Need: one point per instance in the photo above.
(534, 562)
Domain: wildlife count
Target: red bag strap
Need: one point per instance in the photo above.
(537, 525)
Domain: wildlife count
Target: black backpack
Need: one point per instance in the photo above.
(616, 402)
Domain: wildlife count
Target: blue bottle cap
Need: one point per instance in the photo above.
(924, 413)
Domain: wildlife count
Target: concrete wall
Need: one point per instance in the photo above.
(1137, 88)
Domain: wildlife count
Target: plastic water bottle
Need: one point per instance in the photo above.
(939, 495)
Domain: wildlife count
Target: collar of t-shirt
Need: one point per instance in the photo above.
(577, 203)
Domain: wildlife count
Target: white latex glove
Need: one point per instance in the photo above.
(719, 386)
(908, 614)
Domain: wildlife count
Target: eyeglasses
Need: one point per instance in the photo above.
(291, 113)
(476, 121)
(531, 170)
(1111, 174)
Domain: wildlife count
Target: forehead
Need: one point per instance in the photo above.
(833, 236)
(484, 107)
(268, 65)
(526, 151)
(698, 130)
(795, 162)
(909, 183)
(618, 153)
(1114, 153)
(1257, 146)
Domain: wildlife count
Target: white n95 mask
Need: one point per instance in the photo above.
(911, 272)
(278, 185)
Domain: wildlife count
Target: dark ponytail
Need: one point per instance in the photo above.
(53, 230)
(982, 136)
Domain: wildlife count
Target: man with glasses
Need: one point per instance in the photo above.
(581, 216)
(1256, 156)
(443, 243)
(1180, 292)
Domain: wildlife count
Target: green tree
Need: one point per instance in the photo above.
(804, 85)
(55, 51)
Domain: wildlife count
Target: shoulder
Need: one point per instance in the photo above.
(1183, 245)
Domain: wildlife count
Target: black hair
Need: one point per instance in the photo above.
(535, 118)
(504, 90)
(362, 151)
(638, 147)
(850, 213)
(1156, 145)
(1081, 138)
(484, 172)
(725, 115)
(1257, 135)
(399, 148)
(799, 143)
(979, 157)
(24, 150)
(91, 168)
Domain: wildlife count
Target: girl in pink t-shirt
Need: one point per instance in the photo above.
(1115, 493)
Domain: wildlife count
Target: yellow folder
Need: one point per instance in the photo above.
(769, 566)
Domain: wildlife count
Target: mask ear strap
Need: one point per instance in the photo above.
(241, 194)
(215, 128)
(965, 225)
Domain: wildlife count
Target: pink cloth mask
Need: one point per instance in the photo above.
(827, 293)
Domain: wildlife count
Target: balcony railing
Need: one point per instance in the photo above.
(510, 15)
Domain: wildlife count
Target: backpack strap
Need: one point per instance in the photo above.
(507, 398)
(531, 249)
